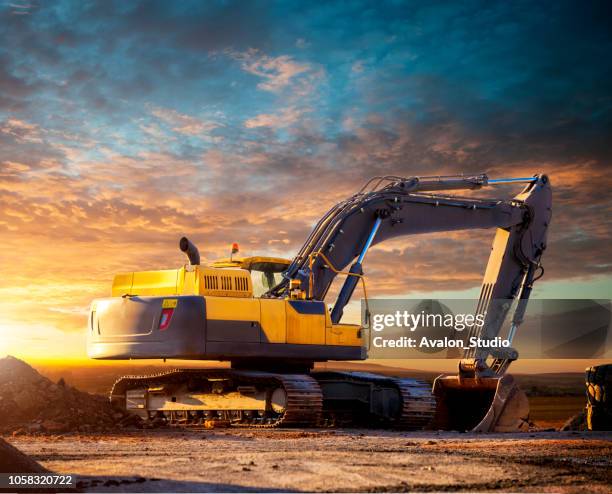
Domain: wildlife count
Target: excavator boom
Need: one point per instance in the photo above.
(403, 207)
(481, 397)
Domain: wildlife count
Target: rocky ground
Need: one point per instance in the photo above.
(67, 431)
(31, 403)
(327, 460)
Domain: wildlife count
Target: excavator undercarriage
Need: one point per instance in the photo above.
(268, 317)
(267, 399)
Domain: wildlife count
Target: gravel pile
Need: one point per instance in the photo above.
(31, 403)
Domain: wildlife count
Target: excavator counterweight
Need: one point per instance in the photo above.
(270, 318)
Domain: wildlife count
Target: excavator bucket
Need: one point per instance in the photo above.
(489, 404)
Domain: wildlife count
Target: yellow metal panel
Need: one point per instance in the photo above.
(122, 284)
(344, 334)
(278, 263)
(225, 282)
(304, 329)
(155, 282)
(200, 280)
(169, 303)
(232, 309)
(273, 320)
(188, 282)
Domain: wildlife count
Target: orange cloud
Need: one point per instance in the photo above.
(69, 222)
(281, 119)
(277, 72)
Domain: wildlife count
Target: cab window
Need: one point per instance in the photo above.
(264, 281)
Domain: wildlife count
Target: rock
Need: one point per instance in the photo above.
(35, 427)
(12, 460)
(576, 423)
(131, 421)
(27, 400)
(52, 426)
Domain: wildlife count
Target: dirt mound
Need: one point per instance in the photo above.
(31, 403)
(576, 423)
(12, 461)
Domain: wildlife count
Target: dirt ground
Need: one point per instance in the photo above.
(327, 460)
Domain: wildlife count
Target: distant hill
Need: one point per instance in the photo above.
(99, 379)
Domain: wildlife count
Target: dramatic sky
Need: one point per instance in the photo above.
(124, 125)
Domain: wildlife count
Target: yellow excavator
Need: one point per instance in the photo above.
(269, 318)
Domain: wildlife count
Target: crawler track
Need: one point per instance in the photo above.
(304, 398)
(417, 403)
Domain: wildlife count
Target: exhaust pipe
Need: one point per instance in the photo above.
(190, 250)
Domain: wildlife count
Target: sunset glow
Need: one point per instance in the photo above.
(230, 123)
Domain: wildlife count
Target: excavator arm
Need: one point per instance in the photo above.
(392, 207)
(406, 206)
